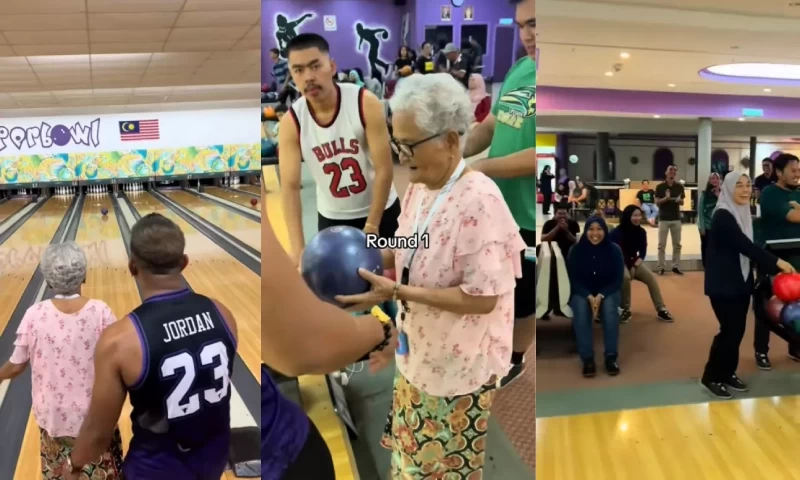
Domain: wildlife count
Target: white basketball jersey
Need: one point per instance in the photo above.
(338, 157)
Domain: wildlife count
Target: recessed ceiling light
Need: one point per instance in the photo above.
(609, 74)
(777, 71)
(767, 90)
(741, 119)
(671, 85)
(625, 55)
(656, 116)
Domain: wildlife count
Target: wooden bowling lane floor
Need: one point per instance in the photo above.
(733, 440)
(250, 188)
(215, 273)
(233, 223)
(12, 206)
(242, 199)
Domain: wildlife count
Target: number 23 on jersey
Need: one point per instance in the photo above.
(349, 165)
(177, 404)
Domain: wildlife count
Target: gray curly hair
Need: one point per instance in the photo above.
(64, 267)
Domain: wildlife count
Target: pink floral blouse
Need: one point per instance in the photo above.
(60, 348)
(475, 245)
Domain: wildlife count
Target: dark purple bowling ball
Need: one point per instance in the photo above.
(790, 315)
(104, 211)
(60, 135)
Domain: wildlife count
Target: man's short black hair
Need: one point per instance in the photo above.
(304, 41)
(157, 245)
(561, 206)
(784, 159)
(766, 160)
(275, 51)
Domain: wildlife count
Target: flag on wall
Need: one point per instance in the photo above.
(139, 130)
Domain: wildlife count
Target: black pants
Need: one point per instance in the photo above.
(547, 200)
(723, 360)
(314, 461)
(703, 244)
(386, 229)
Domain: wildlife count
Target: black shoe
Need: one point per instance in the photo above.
(762, 362)
(794, 355)
(717, 389)
(664, 316)
(589, 368)
(677, 271)
(545, 317)
(625, 316)
(514, 373)
(735, 383)
(661, 271)
(612, 367)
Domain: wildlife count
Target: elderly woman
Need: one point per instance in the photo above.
(456, 290)
(54, 334)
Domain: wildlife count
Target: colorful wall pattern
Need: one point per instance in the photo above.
(129, 164)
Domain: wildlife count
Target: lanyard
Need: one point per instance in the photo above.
(435, 206)
(66, 297)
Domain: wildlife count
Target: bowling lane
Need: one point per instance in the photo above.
(20, 254)
(237, 225)
(251, 188)
(11, 207)
(238, 198)
(107, 279)
(215, 273)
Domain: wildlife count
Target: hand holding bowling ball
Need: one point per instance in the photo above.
(382, 289)
(786, 286)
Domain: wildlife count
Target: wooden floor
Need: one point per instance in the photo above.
(250, 188)
(242, 199)
(107, 279)
(733, 440)
(313, 388)
(10, 207)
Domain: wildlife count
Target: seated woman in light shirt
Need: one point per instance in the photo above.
(57, 338)
(456, 295)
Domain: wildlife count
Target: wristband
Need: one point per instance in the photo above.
(395, 291)
(387, 335)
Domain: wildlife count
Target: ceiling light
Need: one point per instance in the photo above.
(609, 74)
(625, 55)
(656, 116)
(767, 90)
(778, 71)
(741, 119)
(671, 85)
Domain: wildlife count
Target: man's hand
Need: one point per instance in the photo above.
(562, 223)
(794, 205)
(637, 262)
(383, 358)
(369, 228)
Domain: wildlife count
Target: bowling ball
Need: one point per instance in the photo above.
(786, 286)
(269, 113)
(331, 260)
(790, 316)
(774, 307)
(253, 202)
(104, 211)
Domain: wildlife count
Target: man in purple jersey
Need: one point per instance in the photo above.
(302, 335)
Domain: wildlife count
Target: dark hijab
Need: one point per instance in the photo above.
(626, 226)
(593, 267)
(604, 246)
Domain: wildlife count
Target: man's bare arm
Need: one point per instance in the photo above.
(519, 164)
(480, 138)
(377, 133)
(300, 334)
(289, 157)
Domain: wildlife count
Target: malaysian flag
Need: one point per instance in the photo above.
(139, 130)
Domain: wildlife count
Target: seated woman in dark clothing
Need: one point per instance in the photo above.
(729, 281)
(595, 269)
(404, 58)
(632, 240)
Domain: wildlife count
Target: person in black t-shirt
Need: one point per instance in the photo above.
(404, 58)
(647, 202)
(453, 62)
(561, 229)
(670, 196)
(424, 63)
(765, 179)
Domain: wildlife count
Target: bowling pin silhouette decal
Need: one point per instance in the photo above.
(286, 29)
(374, 37)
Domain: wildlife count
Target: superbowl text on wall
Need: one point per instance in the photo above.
(404, 243)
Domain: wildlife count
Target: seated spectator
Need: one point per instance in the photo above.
(647, 200)
(561, 229)
(632, 240)
(595, 267)
(561, 195)
(269, 133)
(404, 58)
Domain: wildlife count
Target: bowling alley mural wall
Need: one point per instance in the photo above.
(136, 145)
(362, 34)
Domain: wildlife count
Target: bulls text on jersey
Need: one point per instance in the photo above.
(328, 150)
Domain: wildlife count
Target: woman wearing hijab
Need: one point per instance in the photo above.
(546, 187)
(595, 267)
(729, 281)
(481, 101)
(563, 178)
(632, 240)
(706, 205)
(355, 77)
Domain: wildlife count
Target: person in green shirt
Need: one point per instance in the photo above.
(510, 134)
(705, 211)
(780, 220)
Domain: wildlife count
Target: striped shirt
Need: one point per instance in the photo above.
(280, 70)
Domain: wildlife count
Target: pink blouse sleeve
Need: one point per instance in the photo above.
(22, 343)
(488, 247)
(108, 318)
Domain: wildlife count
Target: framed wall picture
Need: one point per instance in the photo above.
(446, 13)
(469, 13)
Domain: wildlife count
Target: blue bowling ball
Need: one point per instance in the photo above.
(790, 316)
(331, 260)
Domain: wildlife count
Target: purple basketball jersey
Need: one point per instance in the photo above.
(284, 429)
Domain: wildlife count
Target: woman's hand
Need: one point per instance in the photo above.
(383, 358)
(785, 266)
(638, 262)
(381, 291)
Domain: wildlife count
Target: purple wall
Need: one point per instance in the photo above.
(487, 12)
(343, 41)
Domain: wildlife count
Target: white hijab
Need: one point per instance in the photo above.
(740, 212)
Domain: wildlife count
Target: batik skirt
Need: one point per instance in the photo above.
(54, 453)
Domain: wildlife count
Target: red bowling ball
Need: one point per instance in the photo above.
(786, 286)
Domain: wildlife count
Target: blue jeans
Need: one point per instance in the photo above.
(650, 210)
(582, 324)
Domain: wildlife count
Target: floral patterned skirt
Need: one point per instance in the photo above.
(54, 453)
(441, 438)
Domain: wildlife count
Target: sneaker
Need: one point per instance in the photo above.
(762, 362)
(717, 389)
(624, 316)
(677, 271)
(735, 383)
(589, 368)
(661, 270)
(513, 374)
(664, 316)
(612, 367)
(794, 355)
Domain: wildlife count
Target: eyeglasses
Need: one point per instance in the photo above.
(407, 149)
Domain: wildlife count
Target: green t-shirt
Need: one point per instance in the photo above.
(515, 130)
(773, 224)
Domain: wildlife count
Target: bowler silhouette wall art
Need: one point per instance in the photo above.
(373, 37)
(285, 30)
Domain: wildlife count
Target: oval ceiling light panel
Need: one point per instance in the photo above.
(754, 73)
